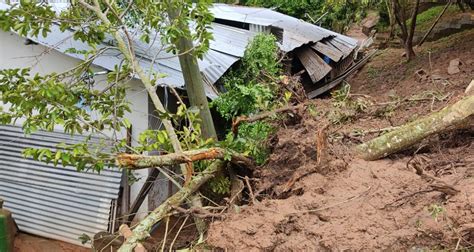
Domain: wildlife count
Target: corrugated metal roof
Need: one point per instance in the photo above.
(296, 32)
(227, 47)
(55, 202)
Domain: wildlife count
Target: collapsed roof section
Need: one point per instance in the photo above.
(320, 51)
(295, 31)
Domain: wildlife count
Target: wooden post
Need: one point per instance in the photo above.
(125, 186)
(193, 79)
(142, 195)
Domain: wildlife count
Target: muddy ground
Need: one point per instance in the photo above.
(31, 243)
(339, 202)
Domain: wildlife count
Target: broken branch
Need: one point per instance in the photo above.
(134, 161)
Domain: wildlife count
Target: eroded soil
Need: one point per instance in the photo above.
(336, 201)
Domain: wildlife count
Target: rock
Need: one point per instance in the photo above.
(470, 88)
(453, 70)
(469, 62)
(454, 66)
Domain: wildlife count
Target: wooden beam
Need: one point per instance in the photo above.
(314, 65)
(330, 51)
(142, 195)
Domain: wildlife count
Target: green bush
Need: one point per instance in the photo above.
(250, 89)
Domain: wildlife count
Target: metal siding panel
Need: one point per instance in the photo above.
(55, 202)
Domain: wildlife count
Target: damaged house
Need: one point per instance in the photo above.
(63, 204)
(317, 54)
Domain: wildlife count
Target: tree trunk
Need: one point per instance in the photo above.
(407, 32)
(127, 52)
(409, 42)
(412, 133)
(391, 17)
(409, 52)
(193, 79)
(141, 231)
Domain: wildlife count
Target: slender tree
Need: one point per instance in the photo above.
(401, 10)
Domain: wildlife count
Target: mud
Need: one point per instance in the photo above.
(339, 202)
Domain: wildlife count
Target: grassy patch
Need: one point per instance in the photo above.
(448, 41)
(425, 19)
(372, 73)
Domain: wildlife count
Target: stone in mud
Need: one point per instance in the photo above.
(453, 67)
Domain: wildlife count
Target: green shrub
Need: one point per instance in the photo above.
(251, 140)
(251, 89)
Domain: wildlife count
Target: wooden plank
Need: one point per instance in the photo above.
(330, 51)
(339, 79)
(125, 196)
(314, 65)
(343, 48)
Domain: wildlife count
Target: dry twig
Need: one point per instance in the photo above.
(252, 196)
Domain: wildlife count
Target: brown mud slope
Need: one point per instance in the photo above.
(340, 202)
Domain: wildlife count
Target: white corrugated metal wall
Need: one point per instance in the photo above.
(54, 202)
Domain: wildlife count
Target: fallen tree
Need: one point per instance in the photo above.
(141, 231)
(134, 161)
(411, 133)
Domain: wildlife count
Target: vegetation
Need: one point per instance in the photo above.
(426, 18)
(68, 99)
(251, 89)
(52, 100)
(334, 14)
